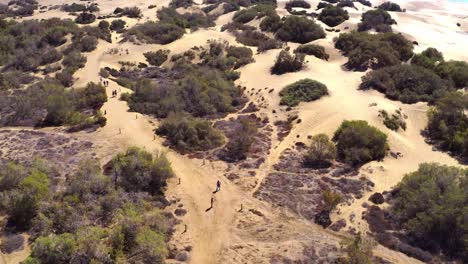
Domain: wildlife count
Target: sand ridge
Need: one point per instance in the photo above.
(224, 235)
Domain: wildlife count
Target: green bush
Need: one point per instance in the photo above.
(377, 19)
(448, 124)
(333, 16)
(138, 170)
(186, 133)
(297, 3)
(428, 58)
(181, 3)
(131, 12)
(285, 62)
(393, 122)
(224, 57)
(346, 3)
(299, 29)
(85, 18)
(258, 11)
(455, 71)
(366, 50)
(156, 58)
(201, 92)
(118, 25)
(157, 32)
(313, 50)
(365, 2)
(320, 152)
(257, 39)
(304, 90)
(270, 23)
(357, 143)
(430, 204)
(390, 6)
(323, 5)
(406, 83)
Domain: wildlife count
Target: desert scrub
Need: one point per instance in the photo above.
(333, 16)
(429, 204)
(377, 19)
(299, 29)
(358, 143)
(394, 121)
(304, 90)
(390, 6)
(447, 122)
(373, 51)
(320, 153)
(186, 133)
(406, 83)
(313, 50)
(156, 58)
(285, 62)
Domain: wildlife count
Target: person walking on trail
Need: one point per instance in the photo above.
(218, 186)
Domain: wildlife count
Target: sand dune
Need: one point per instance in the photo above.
(224, 235)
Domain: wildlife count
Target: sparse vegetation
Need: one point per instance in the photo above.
(320, 153)
(430, 204)
(131, 12)
(304, 90)
(236, 149)
(357, 143)
(374, 51)
(333, 16)
(285, 62)
(358, 250)
(393, 122)
(313, 50)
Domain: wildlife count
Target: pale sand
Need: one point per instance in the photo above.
(214, 234)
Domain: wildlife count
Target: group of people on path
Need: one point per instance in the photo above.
(105, 82)
(114, 93)
(218, 188)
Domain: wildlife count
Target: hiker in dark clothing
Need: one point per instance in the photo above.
(218, 186)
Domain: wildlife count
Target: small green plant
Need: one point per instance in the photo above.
(304, 90)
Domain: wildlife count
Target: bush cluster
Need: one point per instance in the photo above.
(304, 90)
(377, 19)
(456, 72)
(390, 6)
(297, 3)
(258, 11)
(299, 29)
(201, 92)
(333, 16)
(75, 8)
(365, 2)
(406, 83)
(156, 58)
(222, 56)
(313, 50)
(357, 142)
(85, 18)
(131, 12)
(346, 3)
(430, 204)
(366, 50)
(286, 62)
(92, 217)
(448, 123)
(20, 8)
(170, 27)
(186, 133)
(118, 25)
